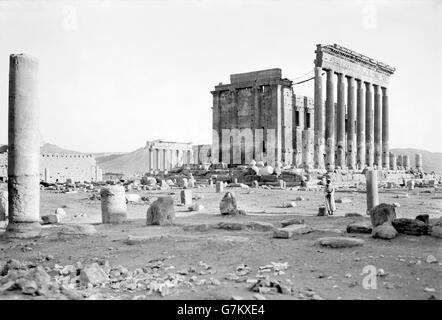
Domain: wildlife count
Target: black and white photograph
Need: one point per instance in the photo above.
(216, 155)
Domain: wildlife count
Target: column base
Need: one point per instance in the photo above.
(22, 230)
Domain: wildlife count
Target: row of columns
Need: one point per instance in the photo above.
(166, 159)
(367, 129)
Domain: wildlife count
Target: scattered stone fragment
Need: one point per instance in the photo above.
(260, 226)
(396, 204)
(425, 218)
(228, 204)
(60, 213)
(431, 259)
(430, 290)
(290, 204)
(384, 231)
(77, 230)
(196, 207)
(132, 240)
(382, 213)
(50, 219)
(359, 227)
(291, 230)
(133, 197)
(161, 212)
(352, 214)
(343, 200)
(258, 296)
(339, 242)
(288, 222)
(411, 226)
(200, 227)
(299, 198)
(92, 274)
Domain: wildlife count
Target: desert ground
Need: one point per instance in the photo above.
(189, 261)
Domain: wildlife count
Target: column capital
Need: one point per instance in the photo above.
(384, 91)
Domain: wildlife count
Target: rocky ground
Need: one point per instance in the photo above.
(208, 256)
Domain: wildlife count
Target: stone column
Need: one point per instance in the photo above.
(372, 189)
(385, 129)
(341, 122)
(393, 163)
(330, 122)
(360, 125)
(319, 121)
(406, 162)
(24, 148)
(418, 161)
(351, 132)
(399, 161)
(307, 150)
(377, 127)
(369, 125)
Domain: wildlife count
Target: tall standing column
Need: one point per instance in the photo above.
(377, 127)
(369, 125)
(385, 129)
(393, 163)
(307, 146)
(371, 177)
(341, 121)
(406, 162)
(351, 132)
(418, 161)
(319, 121)
(24, 148)
(330, 122)
(361, 161)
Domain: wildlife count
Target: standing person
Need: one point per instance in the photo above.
(330, 206)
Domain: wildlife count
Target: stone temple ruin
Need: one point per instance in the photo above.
(258, 116)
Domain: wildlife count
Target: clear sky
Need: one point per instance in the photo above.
(114, 74)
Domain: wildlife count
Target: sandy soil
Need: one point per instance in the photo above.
(330, 273)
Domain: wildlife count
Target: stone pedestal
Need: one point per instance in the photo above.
(24, 149)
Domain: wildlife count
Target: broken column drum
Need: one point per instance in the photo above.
(113, 204)
(24, 148)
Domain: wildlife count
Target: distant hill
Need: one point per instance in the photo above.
(431, 161)
(52, 148)
(131, 163)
